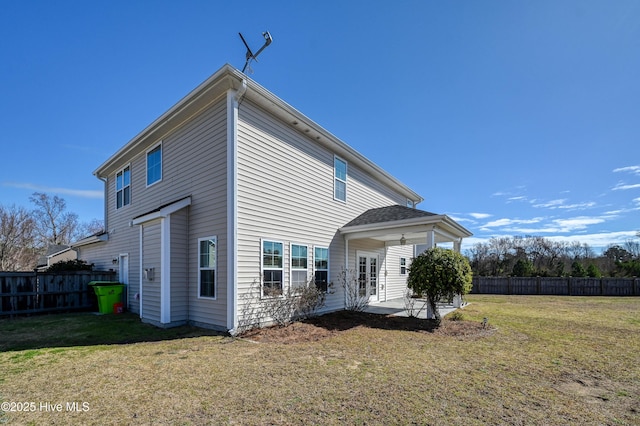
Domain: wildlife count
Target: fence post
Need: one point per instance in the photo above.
(601, 287)
(509, 284)
(569, 286)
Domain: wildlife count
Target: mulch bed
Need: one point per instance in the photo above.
(321, 327)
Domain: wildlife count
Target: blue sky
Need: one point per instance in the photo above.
(514, 118)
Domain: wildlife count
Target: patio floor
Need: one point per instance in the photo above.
(397, 307)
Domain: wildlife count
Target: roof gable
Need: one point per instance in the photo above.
(228, 79)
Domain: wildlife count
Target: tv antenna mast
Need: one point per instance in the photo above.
(254, 56)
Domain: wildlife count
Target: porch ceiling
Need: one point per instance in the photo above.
(390, 224)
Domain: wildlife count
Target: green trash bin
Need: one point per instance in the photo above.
(108, 293)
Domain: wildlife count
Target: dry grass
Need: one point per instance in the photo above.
(550, 360)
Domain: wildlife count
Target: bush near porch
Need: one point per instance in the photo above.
(550, 360)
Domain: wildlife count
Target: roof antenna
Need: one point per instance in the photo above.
(254, 56)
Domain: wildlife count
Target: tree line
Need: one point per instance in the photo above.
(529, 256)
(26, 234)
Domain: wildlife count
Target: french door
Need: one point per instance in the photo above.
(368, 267)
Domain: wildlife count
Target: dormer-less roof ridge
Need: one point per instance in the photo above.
(229, 78)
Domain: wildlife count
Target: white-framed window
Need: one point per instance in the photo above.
(272, 268)
(411, 204)
(154, 164)
(321, 267)
(299, 269)
(339, 179)
(123, 187)
(207, 263)
(403, 266)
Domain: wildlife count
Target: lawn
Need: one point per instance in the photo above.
(547, 360)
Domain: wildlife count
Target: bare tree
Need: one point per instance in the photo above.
(633, 247)
(53, 225)
(86, 229)
(17, 251)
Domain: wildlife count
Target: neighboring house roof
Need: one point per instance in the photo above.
(53, 250)
(95, 238)
(211, 90)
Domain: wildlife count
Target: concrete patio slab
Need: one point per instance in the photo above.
(398, 307)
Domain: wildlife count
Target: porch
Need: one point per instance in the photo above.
(398, 307)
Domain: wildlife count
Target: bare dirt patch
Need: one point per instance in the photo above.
(322, 327)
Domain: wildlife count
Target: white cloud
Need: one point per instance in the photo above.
(598, 240)
(543, 226)
(82, 193)
(560, 204)
(551, 204)
(622, 186)
(578, 206)
(480, 215)
(518, 198)
(577, 223)
(631, 169)
(508, 222)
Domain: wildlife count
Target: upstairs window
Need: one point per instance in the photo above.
(123, 187)
(298, 266)
(207, 262)
(339, 179)
(154, 165)
(272, 271)
(321, 263)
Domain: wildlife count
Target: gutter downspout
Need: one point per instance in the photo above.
(234, 98)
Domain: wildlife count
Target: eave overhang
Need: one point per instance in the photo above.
(413, 231)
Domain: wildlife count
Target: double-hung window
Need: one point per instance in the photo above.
(321, 263)
(272, 271)
(154, 165)
(123, 187)
(207, 262)
(339, 179)
(403, 266)
(298, 266)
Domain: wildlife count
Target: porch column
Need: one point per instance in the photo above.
(431, 237)
(457, 244)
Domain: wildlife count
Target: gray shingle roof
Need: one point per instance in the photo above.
(388, 214)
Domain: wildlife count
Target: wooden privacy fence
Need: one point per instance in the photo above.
(569, 286)
(29, 292)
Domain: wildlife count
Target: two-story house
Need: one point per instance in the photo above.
(233, 190)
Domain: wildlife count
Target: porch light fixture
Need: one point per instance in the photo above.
(403, 240)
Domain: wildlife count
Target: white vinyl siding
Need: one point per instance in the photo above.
(179, 259)
(207, 267)
(194, 157)
(151, 263)
(154, 165)
(293, 198)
